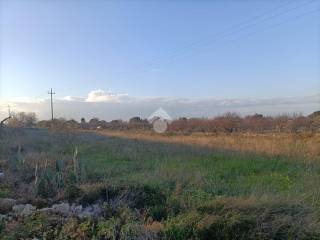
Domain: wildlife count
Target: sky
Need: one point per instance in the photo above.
(118, 59)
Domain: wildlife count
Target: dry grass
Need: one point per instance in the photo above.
(151, 188)
(294, 145)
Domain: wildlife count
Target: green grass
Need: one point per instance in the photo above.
(198, 173)
(187, 192)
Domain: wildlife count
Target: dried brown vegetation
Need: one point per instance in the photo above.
(289, 144)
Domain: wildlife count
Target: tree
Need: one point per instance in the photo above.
(22, 119)
(229, 122)
(315, 114)
(257, 123)
(138, 123)
(94, 123)
(135, 120)
(179, 125)
(4, 120)
(281, 122)
(299, 123)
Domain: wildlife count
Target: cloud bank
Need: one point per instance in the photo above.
(107, 105)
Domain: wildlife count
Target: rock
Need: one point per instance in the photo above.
(29, 209)
(17, 209)
(92, 211)
(62, 208)
(23, 209)
(76, 210)
(6, 205)
(97, 210)
(68, 210)
(46, 210)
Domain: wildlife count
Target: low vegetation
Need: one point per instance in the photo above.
(226, 123)
(302, 145)
(152, 190)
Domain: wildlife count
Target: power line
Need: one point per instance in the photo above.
(238, 28)
(234, 26)
(261, 29)
(251, 33)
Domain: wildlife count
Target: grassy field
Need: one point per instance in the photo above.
(164, 188)
(302, 144)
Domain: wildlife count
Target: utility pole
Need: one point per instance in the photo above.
(51, 93)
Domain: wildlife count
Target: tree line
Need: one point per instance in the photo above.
(228, 123)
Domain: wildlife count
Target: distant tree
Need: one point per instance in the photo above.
(135, 120)
(198, 125)
(315, 114)
(94, 123)
(72, 124)
(257, 123)
(229, 122)
(22, 119)
(179, 125)
(281, 122)
(118, 125)
(103, 124)
(315, 121)
(138, 123)
(83, 123)
(315, 124)
(299, 123)
(4, 120)
(58, 124)
(43, 124)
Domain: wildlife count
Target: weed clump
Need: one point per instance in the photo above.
(237, 218)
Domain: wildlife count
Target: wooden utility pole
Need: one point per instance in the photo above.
(51, 93)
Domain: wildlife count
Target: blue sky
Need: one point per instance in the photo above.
(169, 49)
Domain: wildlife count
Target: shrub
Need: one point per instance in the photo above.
(72, 191)
(237, 218)
(22, 119)
(73, 229)
(182, 227)
(123, 225)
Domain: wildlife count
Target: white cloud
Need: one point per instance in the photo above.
(102, 96)
(23, 100)
(70, 98)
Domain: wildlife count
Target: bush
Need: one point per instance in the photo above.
(237, 218)
(72, 191)
(22, 119)
(123, 225)
(182, 227)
